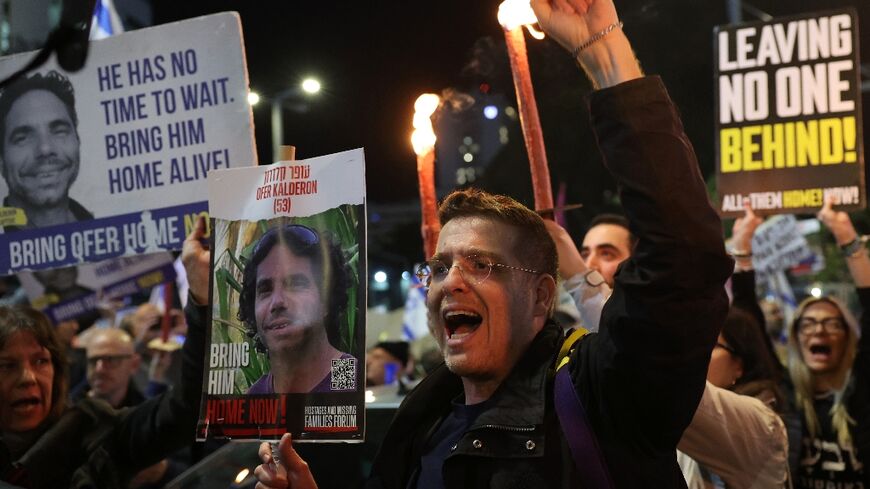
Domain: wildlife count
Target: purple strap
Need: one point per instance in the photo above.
(591, 468)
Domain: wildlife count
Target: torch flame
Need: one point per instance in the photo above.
(537, 34)
(423, 137)
(516, 13)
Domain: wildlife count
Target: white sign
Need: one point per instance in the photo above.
(112, 160)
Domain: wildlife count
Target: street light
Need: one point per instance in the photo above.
(308, 87)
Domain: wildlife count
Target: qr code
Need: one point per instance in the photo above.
(343, 376)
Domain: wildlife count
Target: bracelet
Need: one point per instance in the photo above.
(851, 249)
(740, 253)
(595, 38)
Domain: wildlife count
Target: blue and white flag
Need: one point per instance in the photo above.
(415, 322)
(106, 21)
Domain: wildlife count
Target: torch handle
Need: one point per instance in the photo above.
(430, 227)
(529, 120)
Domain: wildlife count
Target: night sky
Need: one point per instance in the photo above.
(375, 57)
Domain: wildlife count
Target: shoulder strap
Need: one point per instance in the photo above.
(591, 468)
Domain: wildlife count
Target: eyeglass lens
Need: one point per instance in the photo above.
(474, 268)
(829, 325)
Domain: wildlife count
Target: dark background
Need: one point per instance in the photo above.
(375, 57)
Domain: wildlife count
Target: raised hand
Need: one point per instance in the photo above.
(570, 261)
(571, 22)
(197, 260)
(743, 230)
(608, 60)
(838, 222)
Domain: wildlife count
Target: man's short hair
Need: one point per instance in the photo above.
(536, 246)
(328, 265)
(399, 349)
(616, 220)
(52, 82)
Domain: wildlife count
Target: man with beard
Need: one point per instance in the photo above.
(39, 150)
(294, 291)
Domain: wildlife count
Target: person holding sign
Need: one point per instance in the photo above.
(39, 145)
(829, 365)
(487, 418)
(294, 291)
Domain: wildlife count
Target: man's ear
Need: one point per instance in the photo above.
(545, 294)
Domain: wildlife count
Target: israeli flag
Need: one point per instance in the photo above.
(106, 21)
(415, 321)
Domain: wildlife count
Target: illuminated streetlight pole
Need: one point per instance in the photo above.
(307, 88)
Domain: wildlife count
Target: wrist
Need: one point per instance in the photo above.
(609, 61)
(846, 238)
(852, 247)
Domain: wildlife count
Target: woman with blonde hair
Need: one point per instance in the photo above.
(829, 367)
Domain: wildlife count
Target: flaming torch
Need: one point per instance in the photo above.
(423, 140)
(513, 15)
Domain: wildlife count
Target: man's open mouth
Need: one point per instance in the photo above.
(460, 323)
(277, 325)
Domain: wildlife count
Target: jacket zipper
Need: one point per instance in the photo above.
(506, 428)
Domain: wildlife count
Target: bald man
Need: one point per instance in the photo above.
(112, 361)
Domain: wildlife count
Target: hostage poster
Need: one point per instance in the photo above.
(287, 336)
(112, 160)
(788, 118)
(72, 292)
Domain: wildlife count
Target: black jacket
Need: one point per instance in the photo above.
(642, 376)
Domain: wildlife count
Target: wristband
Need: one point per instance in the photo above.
(852, 248)
(595, 38)
(740, 253)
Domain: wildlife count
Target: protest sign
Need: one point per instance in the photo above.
(788, 118)
(112, 160)
(287, 326)
(778, 244)
(71, 292)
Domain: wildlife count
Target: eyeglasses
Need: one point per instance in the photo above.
(727, 348)
(304, 234)
(474, 268)
(110, 361)
(830, 325)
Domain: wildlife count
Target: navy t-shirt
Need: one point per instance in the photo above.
(440, 446)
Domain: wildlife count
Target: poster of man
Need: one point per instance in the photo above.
(294, 292)
(112, 160)
(39, 150)
(288, 301)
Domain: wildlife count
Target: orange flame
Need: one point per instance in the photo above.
(516, 13)
(423, 137)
